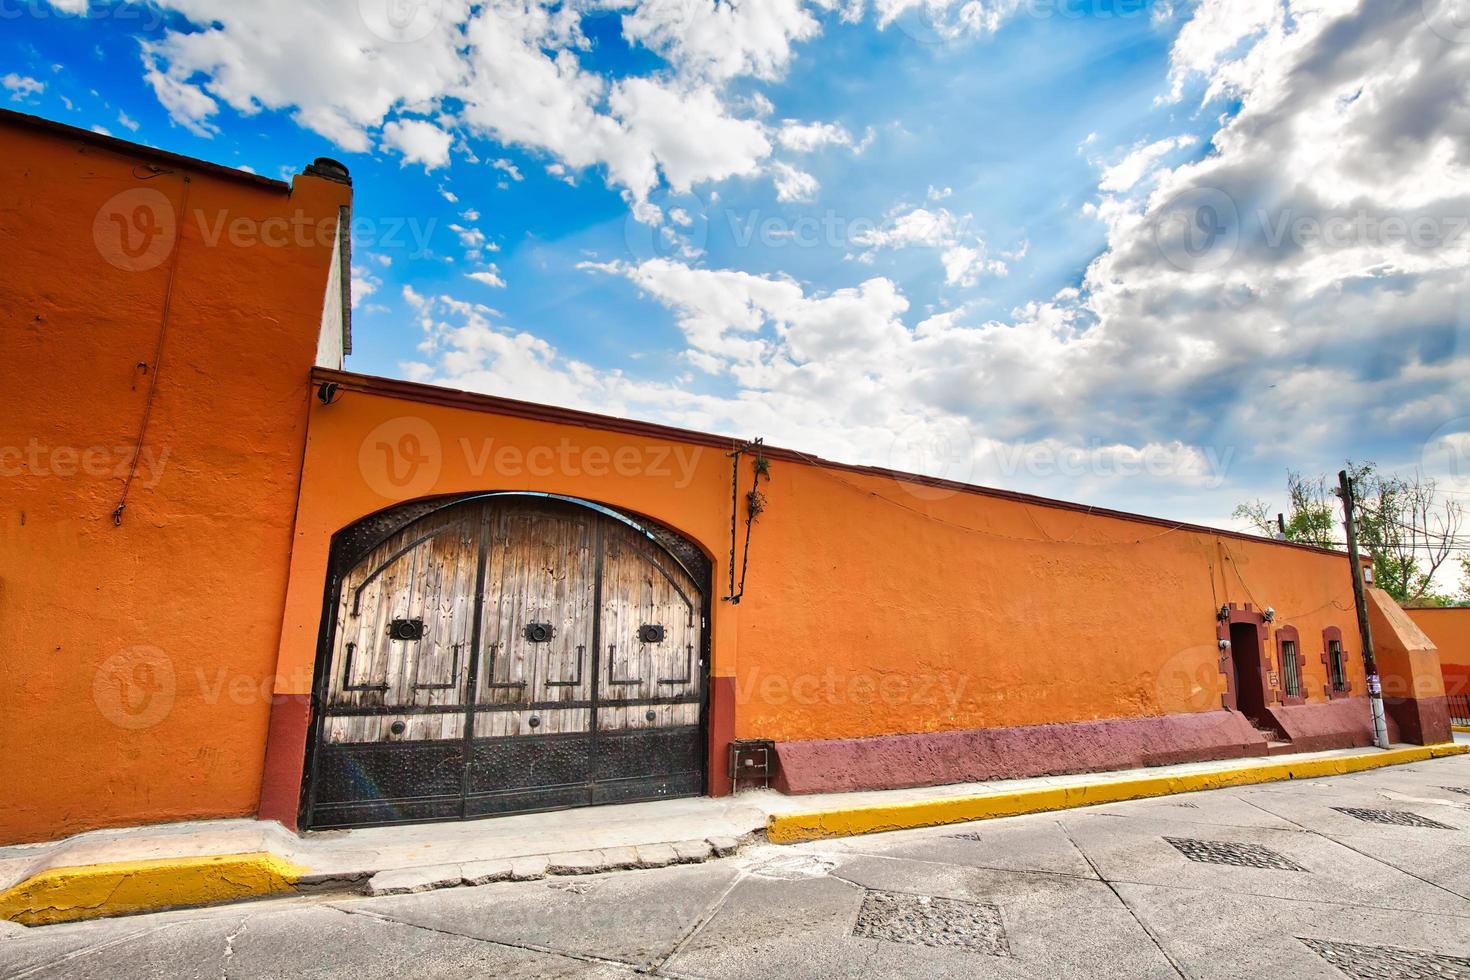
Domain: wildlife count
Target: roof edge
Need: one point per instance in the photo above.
(127, 148)
(475, 401)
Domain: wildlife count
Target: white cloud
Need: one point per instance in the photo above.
(187, 104)
(489, 277)
(127, 121)
(963, 255)
(946, 20)
(1126, 173)
(793, 185)
(508, 168)
(364, 284)
(471, 238)
(915, 227)
(687, 134)
(418, 141)
(720, 40)
(965, 264)
(802, 137)
(22, 86)
(508, 72)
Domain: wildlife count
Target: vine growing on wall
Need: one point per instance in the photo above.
(755, 505)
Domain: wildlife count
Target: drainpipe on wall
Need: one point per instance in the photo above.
(1360, 600)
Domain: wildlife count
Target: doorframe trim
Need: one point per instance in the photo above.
(1231, 615)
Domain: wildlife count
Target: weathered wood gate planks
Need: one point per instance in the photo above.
(506, 654)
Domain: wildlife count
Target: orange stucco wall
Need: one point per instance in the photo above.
(135, 655)
(873, 606)
(1449, 628)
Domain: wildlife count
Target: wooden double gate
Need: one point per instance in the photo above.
(504, 654)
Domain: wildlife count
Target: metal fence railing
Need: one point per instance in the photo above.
(1459, 709)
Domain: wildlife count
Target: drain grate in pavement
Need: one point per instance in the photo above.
(1384, 962)
(923, 920)
(1231, 853)
(1394, 818)
(1462, 790)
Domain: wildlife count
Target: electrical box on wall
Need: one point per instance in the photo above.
(752, 762)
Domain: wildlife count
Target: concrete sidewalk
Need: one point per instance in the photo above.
(117, 872)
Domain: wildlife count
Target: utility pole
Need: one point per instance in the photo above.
(1360, 599)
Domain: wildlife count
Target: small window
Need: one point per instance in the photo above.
(1336, 666)
(1291, 674)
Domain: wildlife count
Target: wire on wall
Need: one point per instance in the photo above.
(153, 366)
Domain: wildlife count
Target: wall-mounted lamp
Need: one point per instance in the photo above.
(1269, 615)
(1224, 645)
(326, 392)
(1223, 614)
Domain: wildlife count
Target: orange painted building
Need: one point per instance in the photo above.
(351, 600)
(1449, 629)
(137, 647)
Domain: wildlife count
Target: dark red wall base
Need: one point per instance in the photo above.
(721, 733)
(285, 757)
(1423, 721)
(975, 755)
(1344, 723)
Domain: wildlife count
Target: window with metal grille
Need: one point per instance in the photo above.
(1336, 665)
(1291, 674)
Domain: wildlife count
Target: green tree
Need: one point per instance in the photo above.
(1404, 526)
(1310, 518)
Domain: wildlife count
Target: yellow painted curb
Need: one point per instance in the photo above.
(94, 891)
(795, 827)
(1460, 728)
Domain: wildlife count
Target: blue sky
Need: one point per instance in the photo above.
(941, 235)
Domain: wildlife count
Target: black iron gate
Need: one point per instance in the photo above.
(506, 653)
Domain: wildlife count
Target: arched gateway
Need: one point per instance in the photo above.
(506, 653)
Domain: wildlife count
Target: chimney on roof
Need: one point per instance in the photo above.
(329, 169)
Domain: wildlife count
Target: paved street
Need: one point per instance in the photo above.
(1357, 876)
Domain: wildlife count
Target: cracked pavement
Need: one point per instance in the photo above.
(1262, 881)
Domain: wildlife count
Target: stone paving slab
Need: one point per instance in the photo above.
(1214, 935)
(1031, 843)
(1137, 850)
(630, 918)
